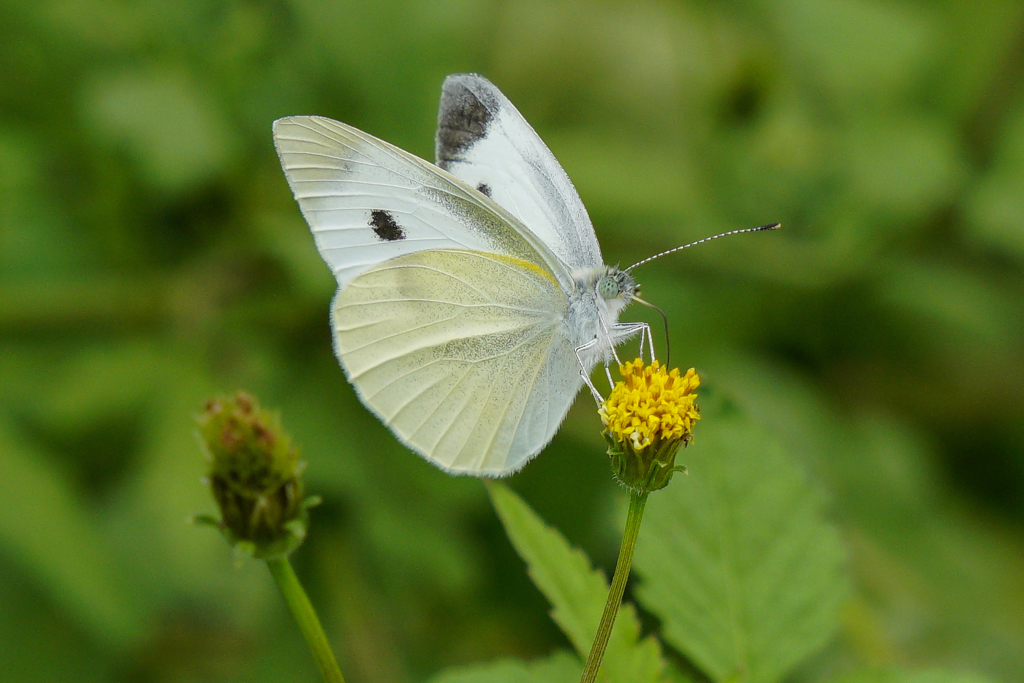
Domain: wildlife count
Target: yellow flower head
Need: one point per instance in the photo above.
(647, 417)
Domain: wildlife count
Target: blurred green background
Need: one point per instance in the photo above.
(151, 255)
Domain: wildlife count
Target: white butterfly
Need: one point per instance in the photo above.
(472, 299)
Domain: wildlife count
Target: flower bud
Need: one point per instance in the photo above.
(254, 477)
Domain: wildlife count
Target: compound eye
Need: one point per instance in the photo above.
(607, 287)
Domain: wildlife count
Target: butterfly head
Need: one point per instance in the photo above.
(616, 284)
(601, 293)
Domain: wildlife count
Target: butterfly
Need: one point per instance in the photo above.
(473, 301)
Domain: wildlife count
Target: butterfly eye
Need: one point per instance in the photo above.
(608, 287)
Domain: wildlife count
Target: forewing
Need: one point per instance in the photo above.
(483, 140)
(368, 201)
(462, 353)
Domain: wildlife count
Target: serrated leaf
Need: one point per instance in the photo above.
(894, 676)
(737, 560)
(561, 667)
(577, 593)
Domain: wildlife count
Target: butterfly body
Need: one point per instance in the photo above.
(471, 294)
(601, 294)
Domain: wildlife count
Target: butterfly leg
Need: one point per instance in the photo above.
(585, 374)
(645, 334)
(650, 341)
(618, 333)
(623, 331)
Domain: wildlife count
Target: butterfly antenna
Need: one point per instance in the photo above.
(760, 228)
(668, 347)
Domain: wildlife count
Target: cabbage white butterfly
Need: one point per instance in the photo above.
(472, 299)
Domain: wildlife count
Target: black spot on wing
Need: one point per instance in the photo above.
(384, 225)
(484, 188)
(462, 119)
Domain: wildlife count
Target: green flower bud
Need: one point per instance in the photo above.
(254, 477)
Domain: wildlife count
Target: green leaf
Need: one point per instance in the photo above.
(43, 528)
(577, 593)
(892, 676)
(737, 560)
(166, 119)
(561, 667)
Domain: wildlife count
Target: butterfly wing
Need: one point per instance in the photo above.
(449, 317)
(462, 353)
(484, 141)
(367, 201)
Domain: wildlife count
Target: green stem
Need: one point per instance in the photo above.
(305, 615)
(611, 607)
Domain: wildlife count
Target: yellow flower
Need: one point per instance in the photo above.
(647, 417)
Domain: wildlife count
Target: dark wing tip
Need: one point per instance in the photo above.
(468, 107)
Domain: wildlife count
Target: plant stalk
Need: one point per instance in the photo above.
(622, 567)
(305, 616)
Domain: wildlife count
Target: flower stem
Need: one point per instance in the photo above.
(305, 615)
(622, 566)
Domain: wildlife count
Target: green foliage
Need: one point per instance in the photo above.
(559, 668)
(739, 564)
(912, 677)
(577, 593)
(737, 561)
(42, 529)
(151, 256)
